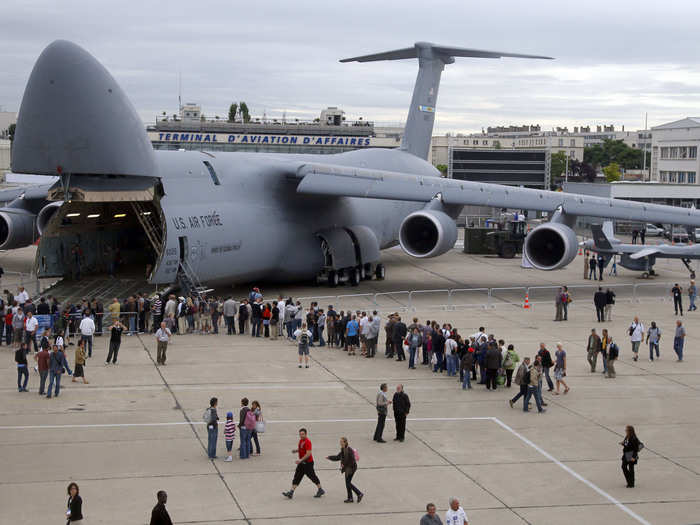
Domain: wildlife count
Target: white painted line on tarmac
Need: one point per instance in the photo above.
(500, 423)
(575, 474)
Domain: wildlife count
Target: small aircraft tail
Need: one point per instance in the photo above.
(432, 59)
(603, 236)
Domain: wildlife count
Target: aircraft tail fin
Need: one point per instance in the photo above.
(432, 59)
(75, 119)
(603, 235)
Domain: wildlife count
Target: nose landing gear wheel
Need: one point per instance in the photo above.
(380, 272)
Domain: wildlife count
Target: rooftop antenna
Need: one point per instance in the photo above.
(179, 90)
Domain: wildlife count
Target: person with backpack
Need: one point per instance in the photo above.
(211, 418)
(303, 337)
(630, 454)
(613, 354)
(305, 466)
(510, 361)
(246, 425)
(348, 458)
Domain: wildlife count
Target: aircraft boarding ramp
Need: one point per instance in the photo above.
(103, 288)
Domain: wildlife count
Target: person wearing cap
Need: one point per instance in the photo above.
(229, 434)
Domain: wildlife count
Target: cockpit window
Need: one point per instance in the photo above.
(212, 173)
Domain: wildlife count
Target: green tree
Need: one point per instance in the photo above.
(558, 164)
(616, 151)
(612, 172)
(442, 168)
(245, 114)
(232, 110)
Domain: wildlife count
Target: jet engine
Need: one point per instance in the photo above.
(16, 228)
(45, 215)
(551, 246)
(427, 233)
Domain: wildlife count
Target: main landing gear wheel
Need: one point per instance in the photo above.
(355, 276)
(366, 271)
(380, 272)
(645, 275)
(333, 279)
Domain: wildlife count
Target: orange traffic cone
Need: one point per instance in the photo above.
(527, 301)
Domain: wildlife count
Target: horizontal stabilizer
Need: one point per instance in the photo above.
(445, 51)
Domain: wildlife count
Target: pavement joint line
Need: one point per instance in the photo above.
(194, 431)
(573, 473)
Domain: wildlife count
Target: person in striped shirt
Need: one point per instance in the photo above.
(229, 433)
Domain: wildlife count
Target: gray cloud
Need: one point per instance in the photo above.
(615, 60)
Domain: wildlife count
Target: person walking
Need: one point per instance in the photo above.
(87, 330)
(609, 302)
(522, 380)
(636, 333)
(159, 514)
(211, 418)
(42, 360)
(679, 340)
(677, 293)
(533, 378)
(303, 338)
(592, 348)
(613, 267)
(430, 517)
(592, 268)
(547, 363)
(257, 411)
(22, 367)
(600, 299)
(382, 405)
(601, 266)
(630, 454)
(604, 344)
(402, 406)
(162, 336)
(560, 368)
(692, 296)
(613, 354)
(74, 511)
(80, 362)
(455, 515)
(305, 466)
(653, 340)
(348, 466)
(57, 366)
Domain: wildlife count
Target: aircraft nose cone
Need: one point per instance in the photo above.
(75, 118)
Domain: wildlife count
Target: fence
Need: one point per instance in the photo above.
(484, 298)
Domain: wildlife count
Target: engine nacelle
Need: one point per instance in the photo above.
(551, 246)
(45, 214)
(427, 233)
(16, 228)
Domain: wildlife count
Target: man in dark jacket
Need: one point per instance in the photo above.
(159, 514)
(600, 298)
(256, 318)
(402, 406)
(493, 363)
(389, 332)
(398, 334)
(593, 347)
(547, 363)
(242, 316)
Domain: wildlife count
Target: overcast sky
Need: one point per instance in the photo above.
(615, 59)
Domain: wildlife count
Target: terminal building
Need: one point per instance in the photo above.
(674, 155)
(329, 133)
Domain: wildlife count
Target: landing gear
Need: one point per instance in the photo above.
(333, 279)
(380, 272)
(366, 271)
(355, 276)
(686, 262)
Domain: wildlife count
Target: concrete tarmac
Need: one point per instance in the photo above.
(137, 428)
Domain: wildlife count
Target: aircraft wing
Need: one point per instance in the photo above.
(323, 179)
(646, 252)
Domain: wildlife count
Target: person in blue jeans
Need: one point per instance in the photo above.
(22, 368)
(212, 420)
(245, 434)
(534, 387)
(415, 341)
(57, 365)
(679, 339)
(466, 368)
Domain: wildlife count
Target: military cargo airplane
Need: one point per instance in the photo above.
(639, 257)
(219, 218)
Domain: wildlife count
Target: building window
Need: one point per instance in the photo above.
(664, 153)
(671, 176)
(692, 152)
(681, 177)
(663, 176)
(691, 177)
(561, 142)
(572, 143)
(572, 154)
(485, 142)
(673, 152)
(475, 142)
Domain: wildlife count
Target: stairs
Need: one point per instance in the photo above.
(149, 225)
(188, 280)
